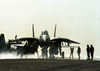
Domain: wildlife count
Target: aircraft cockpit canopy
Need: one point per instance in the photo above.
(44, 32)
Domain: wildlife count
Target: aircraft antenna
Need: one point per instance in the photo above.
(55, 31)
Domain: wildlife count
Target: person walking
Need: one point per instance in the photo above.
(79, 51)
(88, 52)
(92, 51)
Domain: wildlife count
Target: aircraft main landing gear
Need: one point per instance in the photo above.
(62, 55)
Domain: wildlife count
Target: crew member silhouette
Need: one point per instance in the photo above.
(79, 51)
(71, 52)
(88, 52)
(92, 51)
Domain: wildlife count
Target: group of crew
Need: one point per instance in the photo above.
(72, 50)
(90, 52)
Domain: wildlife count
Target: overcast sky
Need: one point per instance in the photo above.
(77, 20)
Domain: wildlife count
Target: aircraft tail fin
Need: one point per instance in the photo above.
(2, 41)
(33, 30)
(55, 31)
(15, 37)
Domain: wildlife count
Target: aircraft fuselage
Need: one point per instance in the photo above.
(44, 39)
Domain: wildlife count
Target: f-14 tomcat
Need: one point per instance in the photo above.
(44, 41)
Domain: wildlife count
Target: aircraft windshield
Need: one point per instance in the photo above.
(44, 32)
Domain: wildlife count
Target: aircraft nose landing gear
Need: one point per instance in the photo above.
(44, 52)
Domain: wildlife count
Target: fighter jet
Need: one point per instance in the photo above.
(44, 41)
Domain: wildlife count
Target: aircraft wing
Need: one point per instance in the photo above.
(64, 39)
(69, 46)
(17, 44)
(29, 39)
